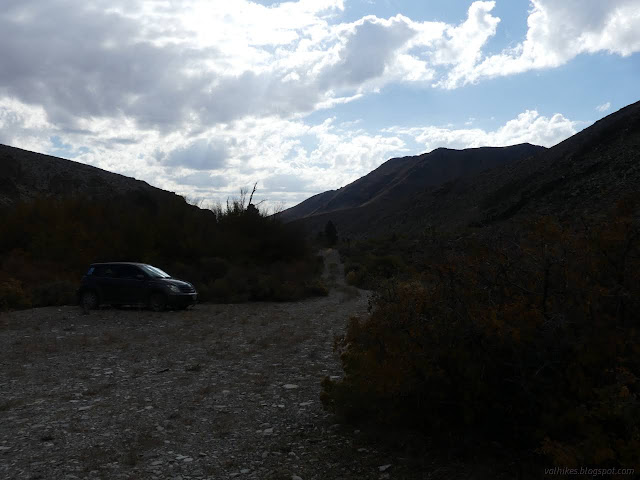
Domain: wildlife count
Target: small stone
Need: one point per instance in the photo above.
(188, 459)
(383, 468)
(306, 404)
(157, 462)
(265, 454)
(245, 470)
(289, 386)
(267, 431)
(295, 477)
(84, 408)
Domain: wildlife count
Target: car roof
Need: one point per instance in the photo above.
(118, 263)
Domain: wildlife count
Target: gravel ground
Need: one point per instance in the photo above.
(218, 391)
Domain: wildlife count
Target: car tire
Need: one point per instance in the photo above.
(157, 302)
(89, 300)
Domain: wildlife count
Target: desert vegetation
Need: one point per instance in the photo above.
(527, 337)
(232, 253)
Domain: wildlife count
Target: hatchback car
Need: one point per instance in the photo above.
(127, 283)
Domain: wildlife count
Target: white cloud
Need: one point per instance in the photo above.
(604, 107)
(528, 127)
(558, 31)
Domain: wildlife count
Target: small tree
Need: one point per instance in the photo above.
(331, 233)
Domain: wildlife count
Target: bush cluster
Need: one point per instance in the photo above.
(528, 339)
(232, 253)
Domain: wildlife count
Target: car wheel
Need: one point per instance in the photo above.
(157, 302)
(89, 300)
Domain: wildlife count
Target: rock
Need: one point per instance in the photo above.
(267, 431)
(384, 467)
(295, 477)
(245, 470)
(289, 386)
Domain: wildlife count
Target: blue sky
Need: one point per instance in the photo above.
(203, 97)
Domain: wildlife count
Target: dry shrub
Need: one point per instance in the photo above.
(530, 340)
(13, 295)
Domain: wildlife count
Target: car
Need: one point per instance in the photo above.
(131, 283)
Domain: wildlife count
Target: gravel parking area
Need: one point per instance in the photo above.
(214, 392)
(218, 391)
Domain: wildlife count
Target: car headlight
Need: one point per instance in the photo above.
(174, 289)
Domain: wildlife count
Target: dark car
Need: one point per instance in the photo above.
(127, 283)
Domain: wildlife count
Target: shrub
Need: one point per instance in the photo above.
(530, 340)
(13, 295)
(221, 251)
(58, 292)
(317, 288)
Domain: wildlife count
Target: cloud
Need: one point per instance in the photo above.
(199, 95)
(604, 107)
(558, 32)
(202, 180)
(528, 127)
(201, 154)
(285, 181)
(461, 46)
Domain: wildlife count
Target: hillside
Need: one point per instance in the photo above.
(400, 177)
(26, 175)
(583, 176)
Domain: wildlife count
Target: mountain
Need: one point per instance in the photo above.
(583, 176)
(26, 175)
(400, 177)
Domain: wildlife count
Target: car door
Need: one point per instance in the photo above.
(132, 285)
(107, 283)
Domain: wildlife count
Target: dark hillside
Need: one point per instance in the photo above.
(583, 176)
(399, 178)
(26, 175)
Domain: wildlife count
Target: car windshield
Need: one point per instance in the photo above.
(155, 272)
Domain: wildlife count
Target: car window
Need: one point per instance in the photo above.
(128, 271)
(104, 271)
(155, 272)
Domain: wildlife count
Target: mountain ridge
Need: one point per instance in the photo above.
(402, 176)
(581, 176)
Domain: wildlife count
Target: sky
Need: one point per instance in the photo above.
(204, 97)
